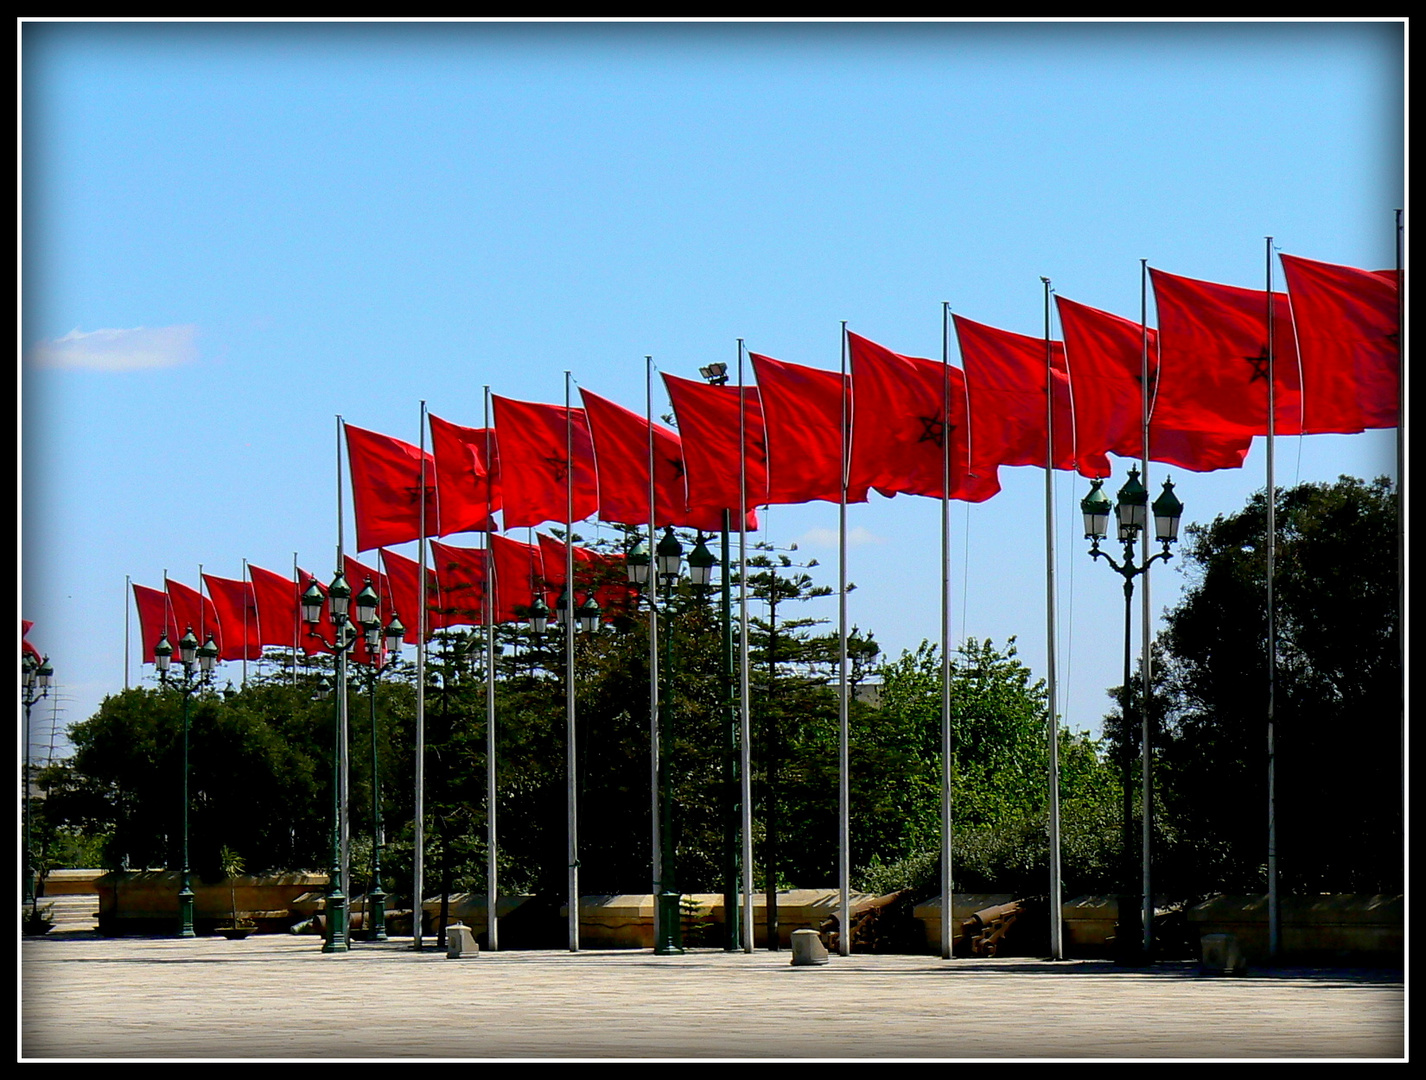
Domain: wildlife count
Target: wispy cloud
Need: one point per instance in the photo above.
(827, 538)
(119, 350)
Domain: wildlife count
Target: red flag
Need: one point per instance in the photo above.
(607, 574)
(402, 579)
(386, 489)
(1105, 356)
(534, 463)
(278, 617)
(519, 575)
(466, 488)
(1213, 358)
(461, 577)
(27, 649)
(901, 415)
(1348, 324)
(236, 607)
(192, 609)
(802, 411)
(1005, 381)
(708, 423)
(155, 620)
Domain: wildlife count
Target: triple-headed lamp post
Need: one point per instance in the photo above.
(197, 663)
(339, 594)
(1131, 512)
(381, 658)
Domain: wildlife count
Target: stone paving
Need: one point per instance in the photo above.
(280, 997)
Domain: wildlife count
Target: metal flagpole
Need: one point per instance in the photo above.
(573, 838)
(844, 853)
(296, 616)
(1051, 606)
(744, 717)
(247, 584)
(128, 591)
(656, 833)
(1273, 913)
(343, 734)
(1146, 909)
(418, 855)
(492, 891)
(946, 761)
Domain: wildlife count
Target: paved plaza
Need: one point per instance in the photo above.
(280, 996)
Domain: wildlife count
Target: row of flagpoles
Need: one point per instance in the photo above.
(1224, 365)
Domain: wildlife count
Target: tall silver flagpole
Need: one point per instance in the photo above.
(656, 832)
(844, 846)
(418, 858)
(744, 716)
(1051, 631)
(343, 732)
(1146, 910)
(947, 932)
(128, 591)
(570, 759)
(492, 890)
(1274, 923)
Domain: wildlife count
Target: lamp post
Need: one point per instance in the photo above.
(381, 659)
(666, 563)
(338, 936)
(197, 663)
(35, 679)
(1131, 513)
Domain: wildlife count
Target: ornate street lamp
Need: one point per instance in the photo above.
(1131, 514)
(384, 647)
(197, 661)
(339, 593)
(700, 565)
(35, 679)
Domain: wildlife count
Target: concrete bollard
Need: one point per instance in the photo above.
(460, 941)
(1222, 955)
(807, 948)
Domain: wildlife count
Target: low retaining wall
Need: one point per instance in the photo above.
(146, 901)
(1331, 929)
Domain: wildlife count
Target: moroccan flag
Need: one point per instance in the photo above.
(386, 489)
(901, 417)
(708, 424)
(1213, 358)
(461, 576)
(236, 605)
(402, 576)
(467, 489)
(519, 574)
(27, 649)
(1005, 381)
(278, 616)
(621, 450)
(155, 619)
(192, 609)
(607, 575)
(534, 463)
(1348, 324)
(1105, 356)
(802, 412)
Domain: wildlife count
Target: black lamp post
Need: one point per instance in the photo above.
(35, 679)
(381, 659)
(197, 663)
(1131, 513)
(339, 593)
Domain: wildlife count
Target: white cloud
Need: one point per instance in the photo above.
(119, 350)
(858, 536)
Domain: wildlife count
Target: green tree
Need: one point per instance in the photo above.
(1338, 699)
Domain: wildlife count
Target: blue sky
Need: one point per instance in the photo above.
(232, 233)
